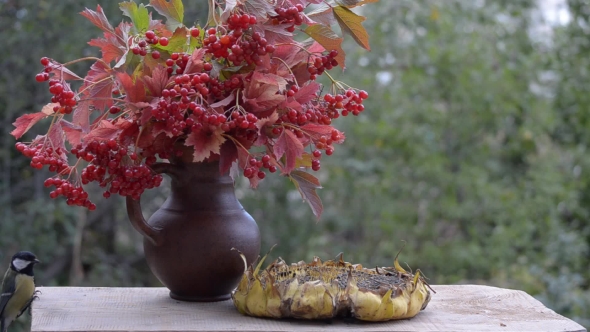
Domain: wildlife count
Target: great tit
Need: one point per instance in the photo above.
(18, 288)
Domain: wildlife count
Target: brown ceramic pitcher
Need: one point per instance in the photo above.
(188, 241)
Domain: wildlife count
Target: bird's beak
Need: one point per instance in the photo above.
(37, 261)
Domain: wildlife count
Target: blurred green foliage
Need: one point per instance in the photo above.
(472, 150)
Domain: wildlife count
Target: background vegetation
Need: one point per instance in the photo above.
(473, 150)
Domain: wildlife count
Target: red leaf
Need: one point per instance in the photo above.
(262, 9)
(157, 82)
(264, 125)
(316, 131)
(307, 93)
(103, 132)
(55, 135)
(228, 153)
(61, 72)
(205, 142)
(195, 62)
(224, 102)
(272, 79)
(288, 145)
(73, 133)
(307, 185)
(135, 91)
(25, 122)
(81, 116)
(98, 18)
(99, 85)
(109, 46)
(262, 96)
(129, 132)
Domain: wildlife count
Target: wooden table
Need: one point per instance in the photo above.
(452, 308)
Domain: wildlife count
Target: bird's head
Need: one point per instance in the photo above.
(23, 261)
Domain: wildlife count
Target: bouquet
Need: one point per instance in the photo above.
(239, 90)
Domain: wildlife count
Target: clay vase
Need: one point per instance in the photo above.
(188, 242)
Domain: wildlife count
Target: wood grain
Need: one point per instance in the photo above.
(452, 308)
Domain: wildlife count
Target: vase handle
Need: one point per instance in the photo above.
(134, 208)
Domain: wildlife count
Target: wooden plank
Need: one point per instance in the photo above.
(456, 308)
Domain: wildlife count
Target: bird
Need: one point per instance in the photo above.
(18, 288)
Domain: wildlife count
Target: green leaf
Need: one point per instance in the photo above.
(307, 185)
(173, 10)
(328, 39)
(177, 42)
(350, 23)
(138, 14)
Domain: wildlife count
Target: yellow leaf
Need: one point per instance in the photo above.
(354, 3)
(350, 23)
(303, 161)
(328, 39)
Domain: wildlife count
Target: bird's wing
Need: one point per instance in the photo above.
(8, 288)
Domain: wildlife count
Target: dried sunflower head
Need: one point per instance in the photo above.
(321, 290)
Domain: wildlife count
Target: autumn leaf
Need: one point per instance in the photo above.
(307, 185)
(25, 122)
(229, 7)
(138, 14)
(315, 131)
(304, 161)
(104, 131)
(262, 9)
(328, 39)
(225, 101)
(195, 62)
(99, 85)
(264, 126)
(262, 97)
(72, 132)
(81, 115)
(108, 46)
(158, 81)
(350, 23)
(354, 3)
(98, 18)
(323, 15)
(62, 72)
(272, 79)
(55, 135)
(307, 93)
(205, 142)
(173, 10)
(135, 91)
(288, 145)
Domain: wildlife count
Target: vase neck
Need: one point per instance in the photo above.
(199, 186)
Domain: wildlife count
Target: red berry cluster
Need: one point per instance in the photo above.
(108, 156)
(44, 75)
(348, 102)
(323, 63)
(141, 47)
(41, 156)
(291, 15)
(61, 92)
(239, 44)
(75, 194)
(253, 169)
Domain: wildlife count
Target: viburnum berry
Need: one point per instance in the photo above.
(163, 41)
